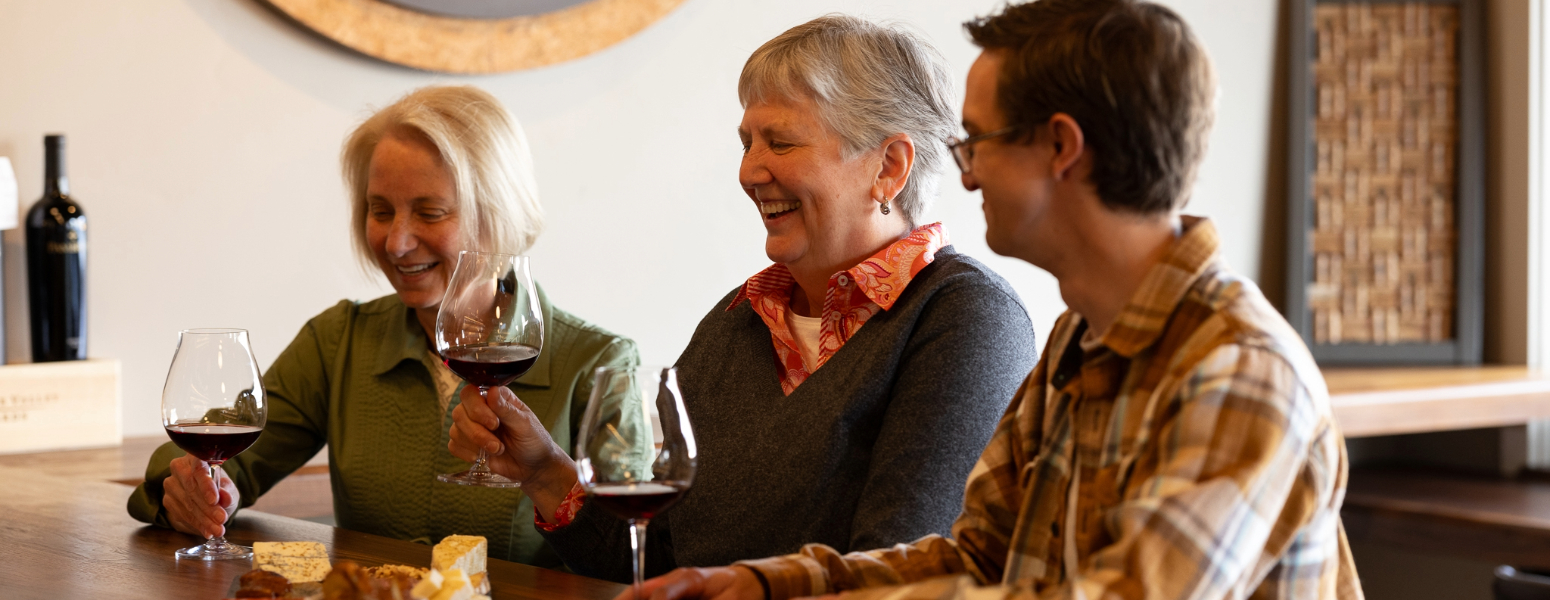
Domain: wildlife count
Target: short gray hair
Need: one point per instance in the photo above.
(870, 81)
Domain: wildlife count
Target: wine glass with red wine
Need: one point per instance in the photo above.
(489, 331)
(213, 407)
(635, 450)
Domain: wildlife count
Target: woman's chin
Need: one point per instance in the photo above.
(782, 251)
(419, 299)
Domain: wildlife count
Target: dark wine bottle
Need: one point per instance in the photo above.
(56, 264)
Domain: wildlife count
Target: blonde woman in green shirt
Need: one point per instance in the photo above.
(442, 170)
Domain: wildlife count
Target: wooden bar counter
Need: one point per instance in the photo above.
(72, 538)
(64, 531)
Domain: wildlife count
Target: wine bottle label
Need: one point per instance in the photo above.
(71, 245)
(63, 247)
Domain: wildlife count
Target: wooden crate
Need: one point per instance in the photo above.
(60, 405)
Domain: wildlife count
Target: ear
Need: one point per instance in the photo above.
(1069, 143)
(894, 172)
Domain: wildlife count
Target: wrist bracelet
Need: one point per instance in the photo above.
(763, 583)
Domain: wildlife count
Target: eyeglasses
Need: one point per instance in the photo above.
(963, 149)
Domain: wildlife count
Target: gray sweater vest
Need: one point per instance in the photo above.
(872, 449)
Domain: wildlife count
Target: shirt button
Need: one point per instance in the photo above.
(843, 280)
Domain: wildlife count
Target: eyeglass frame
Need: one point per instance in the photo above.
(966, 144)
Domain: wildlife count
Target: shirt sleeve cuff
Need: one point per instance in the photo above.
(792, 576)
(565, 513)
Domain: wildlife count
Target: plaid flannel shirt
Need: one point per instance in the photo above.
(1210, 465)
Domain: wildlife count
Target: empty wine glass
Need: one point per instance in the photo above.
(489, 331)
(213, 407)
(631, 469)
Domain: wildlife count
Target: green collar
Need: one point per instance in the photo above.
(406, 341)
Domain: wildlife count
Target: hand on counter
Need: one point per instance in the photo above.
(719, 583)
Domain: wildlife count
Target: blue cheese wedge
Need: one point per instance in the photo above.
(465, 553)
(300, 562)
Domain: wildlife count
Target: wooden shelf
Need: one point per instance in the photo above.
(1480, 518)
(1390, 401)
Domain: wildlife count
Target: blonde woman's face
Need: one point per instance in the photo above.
(412, 219)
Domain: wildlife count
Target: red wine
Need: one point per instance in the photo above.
(491, 365)
(56, 264)
(212, 442)
(636, 500)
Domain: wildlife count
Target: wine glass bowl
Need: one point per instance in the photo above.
(489, 331)
(629, 468)
(213, 407)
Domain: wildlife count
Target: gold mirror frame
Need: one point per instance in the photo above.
(474, 46)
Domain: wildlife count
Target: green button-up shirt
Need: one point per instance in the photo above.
(358, 379)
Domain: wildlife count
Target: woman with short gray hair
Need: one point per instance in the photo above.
(841, 395)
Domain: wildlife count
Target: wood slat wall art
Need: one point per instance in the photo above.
(1383, 236)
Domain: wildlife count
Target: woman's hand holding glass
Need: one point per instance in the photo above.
(516, 442)
(193, 503)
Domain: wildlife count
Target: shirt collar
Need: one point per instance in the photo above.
(406, 341)
(1146, 314)
(881, 277)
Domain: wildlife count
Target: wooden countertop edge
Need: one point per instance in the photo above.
(1443, 407)
(305, 470)
(1375, 502)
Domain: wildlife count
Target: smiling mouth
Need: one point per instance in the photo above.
(414, 269)
(775, 210)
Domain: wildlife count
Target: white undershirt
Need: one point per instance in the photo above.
(806, 330)
(447, 382)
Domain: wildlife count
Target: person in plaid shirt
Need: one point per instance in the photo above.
(1175, 439)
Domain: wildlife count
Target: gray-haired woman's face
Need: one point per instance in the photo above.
(815, 204)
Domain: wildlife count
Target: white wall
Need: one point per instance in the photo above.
(204, 138)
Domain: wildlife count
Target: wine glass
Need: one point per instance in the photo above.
(634, 470)
(489, 331)
(213, 407)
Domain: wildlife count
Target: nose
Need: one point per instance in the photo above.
(401, 238)
(752, 171)
(969, 183)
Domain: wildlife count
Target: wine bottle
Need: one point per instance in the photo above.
(56, 264)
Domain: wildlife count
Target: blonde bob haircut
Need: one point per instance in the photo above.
(483, 147)
(870, 81)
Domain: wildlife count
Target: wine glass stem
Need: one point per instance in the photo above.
(638, 547)
(480, 463)
(218, 542)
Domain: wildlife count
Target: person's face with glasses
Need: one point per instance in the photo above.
(1012, 177)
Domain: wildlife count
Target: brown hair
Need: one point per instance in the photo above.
(1129, 72)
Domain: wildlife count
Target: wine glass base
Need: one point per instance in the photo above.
(212, 550)
(477, 478)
